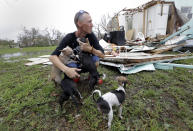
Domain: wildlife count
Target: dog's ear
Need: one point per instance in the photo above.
(121, 79)
(125, 83)
(67, 50)
(64, 50)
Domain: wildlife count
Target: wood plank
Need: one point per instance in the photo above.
(40, 61)
(34, 59)
(166, 48)
(129, 34)
(44, 56)
(140, 59)
(159, 61)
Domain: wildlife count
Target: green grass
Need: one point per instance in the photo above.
(28, 49)
(155, 101)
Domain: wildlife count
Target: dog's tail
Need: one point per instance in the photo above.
(94, 92)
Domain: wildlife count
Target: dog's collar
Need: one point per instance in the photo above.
(120, 88)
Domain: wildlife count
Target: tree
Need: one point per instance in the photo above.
(97, 31)
(36, 37)
(28, 37)
(104, 22)
(53, 35)
(7, 43)
(103, 27)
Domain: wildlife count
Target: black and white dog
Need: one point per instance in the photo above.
(114, 98)
(69, 88)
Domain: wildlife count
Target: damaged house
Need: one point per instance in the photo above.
(152, 19)
(141, 35)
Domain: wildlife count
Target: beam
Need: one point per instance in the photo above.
(175, 34)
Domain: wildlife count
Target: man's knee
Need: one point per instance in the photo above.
(97, 63)
(96, 60)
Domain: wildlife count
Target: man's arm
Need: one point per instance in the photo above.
(87, 48)
(54, 58)
(70, 72)
(97, 52)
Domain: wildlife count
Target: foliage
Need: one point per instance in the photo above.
(36, 37)
(7, 43)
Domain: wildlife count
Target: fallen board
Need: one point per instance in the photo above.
(137, 58)
(39, 61)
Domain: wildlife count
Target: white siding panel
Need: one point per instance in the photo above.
(122, 21)
(155, 23)
(137, 23)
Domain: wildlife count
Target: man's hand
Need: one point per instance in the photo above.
(72, 73)
(86, 47)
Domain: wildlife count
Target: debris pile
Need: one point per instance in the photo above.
(145, 55)
(151, 30)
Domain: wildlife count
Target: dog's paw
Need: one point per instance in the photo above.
(78, 115)
(109, 129)
(120, 117)
(81, 103)
(105, 118)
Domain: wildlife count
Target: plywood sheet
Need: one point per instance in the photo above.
(39, 61)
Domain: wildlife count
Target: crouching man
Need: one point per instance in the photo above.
(84, 26)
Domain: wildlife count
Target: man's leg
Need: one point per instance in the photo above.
(96, 60)
(74, 65)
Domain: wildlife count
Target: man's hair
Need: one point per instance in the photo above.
(78, 16)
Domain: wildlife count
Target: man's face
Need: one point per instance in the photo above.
(86, 24)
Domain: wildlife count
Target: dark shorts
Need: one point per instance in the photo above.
(75, 65)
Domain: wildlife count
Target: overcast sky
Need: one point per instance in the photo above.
(58, 14)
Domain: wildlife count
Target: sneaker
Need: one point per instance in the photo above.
(102, 77)
(100, 81)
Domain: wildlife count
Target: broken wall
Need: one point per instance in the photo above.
(156, 18)
(137, 23)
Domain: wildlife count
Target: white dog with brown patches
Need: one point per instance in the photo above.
(65, 57)
(114, 98)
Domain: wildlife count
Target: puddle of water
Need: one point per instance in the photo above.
(8, 56)
(11, 61)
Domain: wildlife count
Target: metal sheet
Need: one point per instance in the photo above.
(136, 69)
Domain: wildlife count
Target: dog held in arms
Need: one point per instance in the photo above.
(114, 98)
(69, 87)
(66, 56)
(87, 64)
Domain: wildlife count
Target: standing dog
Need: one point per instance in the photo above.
(65, 57)
(69, 88)
(114, 98)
